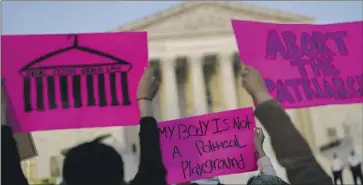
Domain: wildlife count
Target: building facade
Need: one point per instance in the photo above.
(193, 49)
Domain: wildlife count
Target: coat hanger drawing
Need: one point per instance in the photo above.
(75, 46)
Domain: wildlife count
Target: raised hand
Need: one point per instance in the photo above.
(259, 138)
(254, 84)
(148, 85)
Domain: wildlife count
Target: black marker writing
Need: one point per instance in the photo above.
(176, 151)
(240, 123)
(209, 166)
(71, 78)
(204, 127)
(220, 125)
(213, 146)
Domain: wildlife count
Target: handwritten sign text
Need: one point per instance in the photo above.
(305, 65)
(209, 145)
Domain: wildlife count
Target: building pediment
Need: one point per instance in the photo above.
(206, 16)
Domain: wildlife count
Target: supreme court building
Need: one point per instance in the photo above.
(193, 49)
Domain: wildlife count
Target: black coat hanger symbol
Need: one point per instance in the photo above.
(76, 82)
(77, 47)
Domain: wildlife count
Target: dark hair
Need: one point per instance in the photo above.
(93, 163)
(250, 180)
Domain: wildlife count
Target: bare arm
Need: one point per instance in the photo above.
(264, 164)
(145, 107)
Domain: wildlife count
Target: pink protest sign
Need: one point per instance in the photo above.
(305, 65)
(73, 81)
(209, 145)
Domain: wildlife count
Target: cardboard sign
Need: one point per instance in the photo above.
(305, 65)
(209, 145)
(73, 81)
(24, 141)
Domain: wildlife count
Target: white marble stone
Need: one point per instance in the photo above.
(227, 80)
(198, 84)
(170, 87)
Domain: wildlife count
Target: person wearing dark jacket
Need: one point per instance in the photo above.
(267, 174)
(11, 172)
(294, 154)
(291, 149)
(94, 163)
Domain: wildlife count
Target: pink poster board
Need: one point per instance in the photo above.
(208, 145)
(305, 65)
(73, 81)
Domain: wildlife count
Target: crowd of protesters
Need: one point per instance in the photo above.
(95, 163)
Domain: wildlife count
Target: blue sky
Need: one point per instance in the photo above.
(21, 17)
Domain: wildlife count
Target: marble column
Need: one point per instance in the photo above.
(227, 81)
(170, 88)
(157, 99)
(305, 125)
(198, 85)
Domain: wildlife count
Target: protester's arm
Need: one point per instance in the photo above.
(264, 164)
(151, 168)
(292, 151)
(11, 173)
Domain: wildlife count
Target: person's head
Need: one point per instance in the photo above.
(335, 156)
(250, 180)
(352, 153)
(266, 180)
(93, 163)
